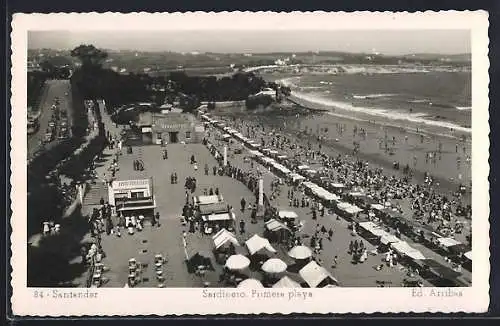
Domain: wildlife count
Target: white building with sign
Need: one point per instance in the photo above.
(132, 197)
(168, 128)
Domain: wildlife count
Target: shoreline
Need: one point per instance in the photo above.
(314, 122)
(414, 127)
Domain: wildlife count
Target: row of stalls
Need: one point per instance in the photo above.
(429, 268)
(353, 205)
(257, 254)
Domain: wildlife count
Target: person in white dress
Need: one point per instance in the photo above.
(45, 228)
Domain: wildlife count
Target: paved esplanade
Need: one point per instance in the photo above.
(167, 239)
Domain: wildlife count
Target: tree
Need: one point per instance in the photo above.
(89, 55)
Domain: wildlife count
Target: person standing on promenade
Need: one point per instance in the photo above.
(243, 204)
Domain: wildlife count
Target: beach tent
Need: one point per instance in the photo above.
(256, 243)
(283, 169)
(255, 153)
(276, 231)
(448, 242)
(296, 177)
(250, 283)
(205, 200)
(405, 249)
(267, 160)
(253, 144)
(274, 225)
(348, 208)
(377, 207)
(373, 228)
(288, 215)
(223, 237)
(468, 255)
(316, 276)
(286, 282)
(388, 238)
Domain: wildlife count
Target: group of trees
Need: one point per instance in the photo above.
(120, 89)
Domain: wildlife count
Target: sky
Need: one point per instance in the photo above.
(390, 42)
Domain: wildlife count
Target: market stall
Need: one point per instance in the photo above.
(296, 178)
(207, 200)
(276, 231)
(287, 283)
(403, 248)
(222, 220)
(257, 243)
(316, 276)
(347, 210)
(223, 239)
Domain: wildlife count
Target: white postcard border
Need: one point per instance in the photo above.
(179, 301)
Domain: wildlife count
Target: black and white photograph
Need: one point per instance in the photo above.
(252, 163)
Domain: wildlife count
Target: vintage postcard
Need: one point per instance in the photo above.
(216, 163)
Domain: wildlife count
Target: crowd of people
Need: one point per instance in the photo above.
(422, 203)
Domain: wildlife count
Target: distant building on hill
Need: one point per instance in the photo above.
(168, 128)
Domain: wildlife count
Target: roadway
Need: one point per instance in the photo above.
(54, 88)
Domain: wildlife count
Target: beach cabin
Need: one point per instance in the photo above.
(132, 197)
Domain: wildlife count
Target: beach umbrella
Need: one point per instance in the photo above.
(300, 252)
(250, 283)
(237, 262)
(274, 265)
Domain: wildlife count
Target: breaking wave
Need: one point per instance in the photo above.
(417, 118)
(370, 96)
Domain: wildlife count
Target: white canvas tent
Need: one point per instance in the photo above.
(296, 177)
(468, 255)
(207, 200)
(405, 249)
(286, 282)
(314, 275)
(373, 228)
(448, 242)
(274, 225)
(288, 214)
(257, 243)
(224, 236)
